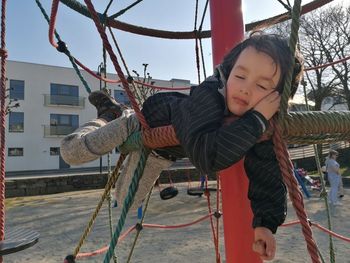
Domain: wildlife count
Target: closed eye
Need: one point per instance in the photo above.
(262, 87)
(239, 77)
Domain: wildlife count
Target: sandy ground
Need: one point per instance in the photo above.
(61, 219)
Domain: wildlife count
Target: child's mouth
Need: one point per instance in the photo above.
(240, 101)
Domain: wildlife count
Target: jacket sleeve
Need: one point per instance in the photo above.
(210, 145)
(267, 191)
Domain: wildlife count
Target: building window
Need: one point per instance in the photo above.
(64, 90)
(16, 122)
(16, 89)
(64, 120)
(61, 94)
(122, 97)
(54, 150)
(15, 151)
(63, 124)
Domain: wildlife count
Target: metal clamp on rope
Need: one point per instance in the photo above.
(61, 46)
(130, 79)
(217, 214)
(138, 227)
(69, 259)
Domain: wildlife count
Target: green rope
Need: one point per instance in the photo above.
(127, 202)
(71, 58)
(323, 183)
(109, 198)
(287, 89)
(292, 46)
(133, 143)
(141, 222)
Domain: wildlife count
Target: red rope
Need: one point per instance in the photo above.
(114, 60)
(295, 195)
(53, 16)
(322, 228)
(328, 64)
(127, 232)
(331, 232)
(52, 25)
(214, 231)
(2, 121)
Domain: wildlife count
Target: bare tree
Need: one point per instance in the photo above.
(324, 37)
(144, 91)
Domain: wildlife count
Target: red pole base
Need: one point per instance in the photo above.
(237, 216)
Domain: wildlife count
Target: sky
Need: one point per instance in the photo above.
(27, 34)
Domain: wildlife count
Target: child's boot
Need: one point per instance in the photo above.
(107, 107)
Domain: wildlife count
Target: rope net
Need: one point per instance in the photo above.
(291, 127)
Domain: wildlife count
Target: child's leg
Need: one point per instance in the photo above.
(154, 166)
(341, 187)
(334, 183)
(96, 138)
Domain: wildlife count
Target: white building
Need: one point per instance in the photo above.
(334, 103)
(53, 103)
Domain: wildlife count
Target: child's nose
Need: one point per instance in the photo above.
(245, 89)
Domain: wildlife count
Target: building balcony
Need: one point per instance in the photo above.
(58, 130)
(62, 100)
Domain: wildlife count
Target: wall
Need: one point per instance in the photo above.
(37, 79)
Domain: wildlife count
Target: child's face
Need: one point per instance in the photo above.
(254, 76)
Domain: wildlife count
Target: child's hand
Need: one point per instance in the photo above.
(269, 105)
(265, 243)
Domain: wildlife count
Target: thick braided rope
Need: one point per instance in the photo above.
(127, 202)
(71, 58)
(159, 137)
(110, 183)
(316, 126)
(140, 30)
(2, 121)
(293, 189)
(116, 65)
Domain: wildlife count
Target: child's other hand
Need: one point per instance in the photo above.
(268, 105)
(265, 243)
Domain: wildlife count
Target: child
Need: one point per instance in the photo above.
(334, 177)
(246, 85)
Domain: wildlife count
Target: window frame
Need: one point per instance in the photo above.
(11, 119)
(15, 148)
(14, 90)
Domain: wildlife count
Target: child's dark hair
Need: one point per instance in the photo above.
(277, 48)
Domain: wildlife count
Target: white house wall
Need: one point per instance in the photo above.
(36, 148)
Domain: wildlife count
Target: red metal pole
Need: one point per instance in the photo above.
(227, 29)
